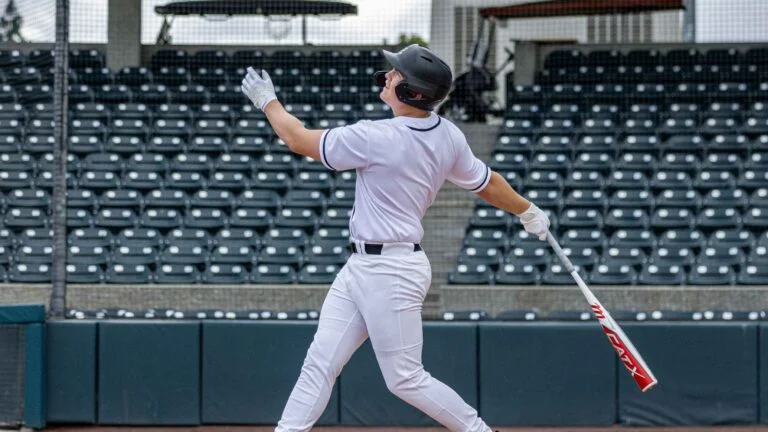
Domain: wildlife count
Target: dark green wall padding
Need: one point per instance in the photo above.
(449, 355)
(540, 373)
(149, 373)
(707, 374)
(71, 369)
(249, 369)
(546, 374)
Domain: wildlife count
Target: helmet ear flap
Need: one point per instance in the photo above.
(380, 78)
(405, 94)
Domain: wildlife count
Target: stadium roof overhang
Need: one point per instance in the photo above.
(556, 8)
(267, 8)
(257, 7)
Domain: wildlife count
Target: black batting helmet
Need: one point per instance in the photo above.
(423, 72)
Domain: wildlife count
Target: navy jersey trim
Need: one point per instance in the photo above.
(439, 119)
(485, 179)
(325, 158)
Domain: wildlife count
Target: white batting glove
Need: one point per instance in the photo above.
(535, 221)
(258, 88)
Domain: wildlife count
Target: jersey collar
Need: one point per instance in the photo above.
(421, 124)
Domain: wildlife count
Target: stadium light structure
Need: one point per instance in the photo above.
(267, 8)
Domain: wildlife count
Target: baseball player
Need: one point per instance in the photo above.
(401, 163)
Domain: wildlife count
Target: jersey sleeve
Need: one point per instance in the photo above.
(468, 172)
(344, 148)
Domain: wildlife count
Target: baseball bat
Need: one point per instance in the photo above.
(627, 352)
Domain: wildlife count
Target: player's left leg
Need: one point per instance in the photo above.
(391, 302)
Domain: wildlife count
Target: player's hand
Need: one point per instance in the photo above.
(258, 88)
(535, 221)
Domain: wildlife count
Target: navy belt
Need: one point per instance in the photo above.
(375, 248)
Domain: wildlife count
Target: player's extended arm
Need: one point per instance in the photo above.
(501, 195)
(299, 139)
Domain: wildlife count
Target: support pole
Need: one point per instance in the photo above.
(59, 199)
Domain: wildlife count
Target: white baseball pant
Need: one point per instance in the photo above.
(379, 296)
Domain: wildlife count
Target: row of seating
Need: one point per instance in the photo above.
(298, 197)
(210, 75)
(642, 238)
(195, 94)
(170, 217)
(590, 253)
(619, 315)
(450, 315)
(148, 181)
(611, 274)
(694, 142)
(710, 219)
(182, 274)
(91, 58)
(597, 182)
(602, 111)
(690, 124)
(177, 313)
(645, 92)
(610, 66)
(225, 252)
(107, 114)
(155, 238)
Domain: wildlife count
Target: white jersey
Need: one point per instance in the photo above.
(401, 164)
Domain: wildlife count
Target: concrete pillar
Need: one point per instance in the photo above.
(124, 34)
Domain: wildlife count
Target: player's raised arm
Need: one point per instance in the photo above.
(261, 92)
(501, 195)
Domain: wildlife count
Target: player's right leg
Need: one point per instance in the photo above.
(340, 333)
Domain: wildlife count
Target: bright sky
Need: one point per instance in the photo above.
(717, 21)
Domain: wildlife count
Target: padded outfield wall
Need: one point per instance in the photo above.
(545, 374)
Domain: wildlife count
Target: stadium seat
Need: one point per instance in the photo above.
(273, 274)
(84, 273)
(627, 218)
(719, 218)
(557, 274)
(711, 275)
(29, 273)
(721, 255)
(134, 252)
(160, 218)
(297, 217)
(665, 218)
(177, 274)
(226, 274)
(583, 179)
(468, 315)
(35, 236)
(318, 274)
(184, 253)
(140, 236)
(682, 238)
(33, 253)
(250, 217)
(120, 198)
(662, 274)
(624, 255)
(612, 273)
(756, 217)
(726, 198)
(187, 235)
(92, 236)
(628, 179)
(478, 274)
(753, 275)
(25, 218)
(120, 273)
(328, 251)
(633, 198)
